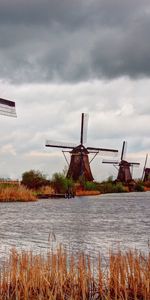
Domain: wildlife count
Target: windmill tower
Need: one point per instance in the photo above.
(146, 171)
(124, 167)
(79, 163)
(7, 108)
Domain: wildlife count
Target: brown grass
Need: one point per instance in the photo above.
(146, 189)
(16, 193)
(58, 276)
(46, 190)
(87, 193)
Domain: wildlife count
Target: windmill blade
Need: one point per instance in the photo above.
(113, 162)
(146, 158)
(146, 161)
(93, 151)
(84, 125)
(134, 164)
(104, 151)
(55, 144)
(124, 149)
(7, 108)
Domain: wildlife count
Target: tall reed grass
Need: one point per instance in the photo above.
(46, 190)
(16, 193)
(59, 276)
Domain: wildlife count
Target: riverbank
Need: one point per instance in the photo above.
(16, 193)
(62, 276)
(146, 189)
(87, 193)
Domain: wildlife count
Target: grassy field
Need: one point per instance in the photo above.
(59, 276)
(16, 193)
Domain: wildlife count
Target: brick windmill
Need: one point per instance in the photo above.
(79, 164)
(7, 108)
(124, 170)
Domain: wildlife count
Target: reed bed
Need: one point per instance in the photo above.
(16, 193)
(59, 276)
(46, 190)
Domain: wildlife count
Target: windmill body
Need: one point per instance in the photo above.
(124, 170)
(146, 174)
(79, 163)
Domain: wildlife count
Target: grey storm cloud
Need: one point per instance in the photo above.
(72, 41)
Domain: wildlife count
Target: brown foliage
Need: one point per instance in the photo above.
(16, 193)
(58, 276)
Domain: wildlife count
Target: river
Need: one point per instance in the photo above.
(92, 224)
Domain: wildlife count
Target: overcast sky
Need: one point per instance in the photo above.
(59, 58)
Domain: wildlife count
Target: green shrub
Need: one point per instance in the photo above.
(110, 179)
(110, 187)
(118, 188)
(61, 184)
(90, 186)
(34, 179)
(139, 187)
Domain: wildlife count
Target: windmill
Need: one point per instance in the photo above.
(124, 170)
(7, 108)
(79, 164)
(146, 171)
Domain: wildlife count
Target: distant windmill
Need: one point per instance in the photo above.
(79, 164)
(7, 108)
(146, 171)
(124, 170)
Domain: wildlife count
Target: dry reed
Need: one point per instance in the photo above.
(46, 190)
(16, 193)
(59, 276)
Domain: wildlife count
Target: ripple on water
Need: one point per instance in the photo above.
(91, 224)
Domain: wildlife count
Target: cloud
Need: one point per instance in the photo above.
(59, 58)
(73, 41)
(53, 111)
(8, 149)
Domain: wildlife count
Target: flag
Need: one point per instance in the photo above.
(7, 108)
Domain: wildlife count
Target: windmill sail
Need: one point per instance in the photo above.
(7, 108)
(124, 149)
(55, 144)
(113, 162)
(134, 164)
(85, 127)
(103, 151)
(84, 123)
(143, 173)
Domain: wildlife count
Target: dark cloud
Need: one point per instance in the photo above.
(72, 41)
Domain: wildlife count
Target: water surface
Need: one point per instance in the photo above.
(91, 224)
